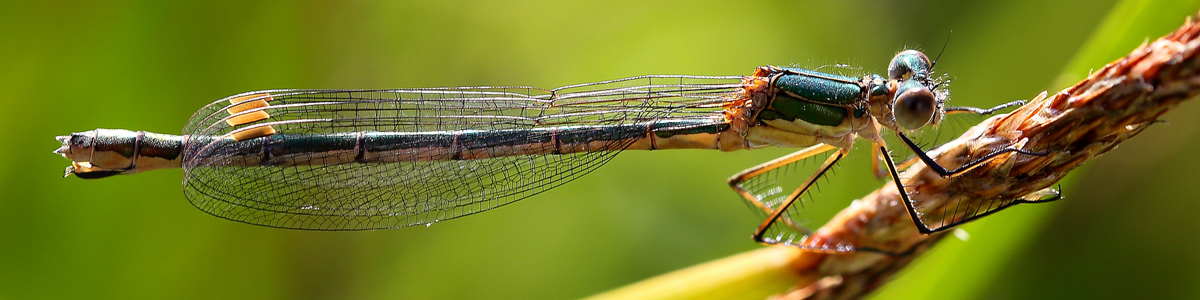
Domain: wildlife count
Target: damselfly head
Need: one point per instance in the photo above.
(909, 64)
(917, 100)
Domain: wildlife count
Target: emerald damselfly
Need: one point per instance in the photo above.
(374, 159)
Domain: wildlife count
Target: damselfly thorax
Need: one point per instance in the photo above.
(372, 159)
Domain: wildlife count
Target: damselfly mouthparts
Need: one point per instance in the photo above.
(373, 159)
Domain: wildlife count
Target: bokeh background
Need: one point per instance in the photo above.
(1127, 229)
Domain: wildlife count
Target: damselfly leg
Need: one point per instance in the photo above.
(950, 215)
(952, 110)
(765, 196)
(786, 213)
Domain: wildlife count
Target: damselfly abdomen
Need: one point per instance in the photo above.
(373, 159)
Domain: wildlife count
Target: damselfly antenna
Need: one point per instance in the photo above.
(939, 56)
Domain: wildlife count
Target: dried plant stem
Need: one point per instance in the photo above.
(1074, 126)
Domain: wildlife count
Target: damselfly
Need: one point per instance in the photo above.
(373, 159)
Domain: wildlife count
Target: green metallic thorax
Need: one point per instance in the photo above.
(819, 98)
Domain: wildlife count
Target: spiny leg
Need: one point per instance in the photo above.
(908, 204)
(1035, 197)
(920, 154)
(880, 173)
(980, 111)
(942, 171)
(1040, 196)
(737, 179)
(775, 214)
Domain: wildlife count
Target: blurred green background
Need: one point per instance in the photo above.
(1126, 230)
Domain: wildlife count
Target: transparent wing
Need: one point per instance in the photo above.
(342, 194)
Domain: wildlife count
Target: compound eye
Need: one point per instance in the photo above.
(914, 108)
(909, 63)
